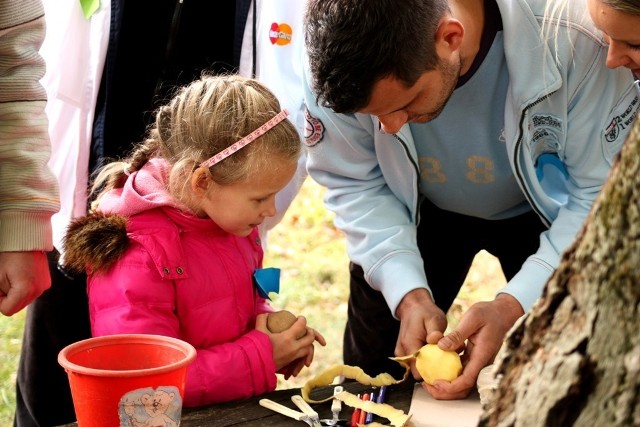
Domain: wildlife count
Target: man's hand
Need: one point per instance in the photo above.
(483, 327)
(23, 277)
(421, 321)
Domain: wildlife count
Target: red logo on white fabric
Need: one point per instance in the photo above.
(280, 34)
(313, 130)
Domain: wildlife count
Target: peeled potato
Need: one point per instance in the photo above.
(282, 320)
(433, 364)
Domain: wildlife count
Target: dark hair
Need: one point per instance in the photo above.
(354, 43)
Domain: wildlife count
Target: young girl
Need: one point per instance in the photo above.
(171, 244)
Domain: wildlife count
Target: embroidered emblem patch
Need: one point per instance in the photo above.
(545, 134)
(621, 121)
(546, 121)
(313, 130)
(280, 34)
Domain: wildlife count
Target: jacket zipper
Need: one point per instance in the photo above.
(417, 169)
(519, 174)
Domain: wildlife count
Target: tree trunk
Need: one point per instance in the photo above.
(575, 360)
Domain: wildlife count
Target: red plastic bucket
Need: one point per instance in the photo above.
(125, 380)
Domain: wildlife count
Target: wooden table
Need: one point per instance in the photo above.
(246, 413)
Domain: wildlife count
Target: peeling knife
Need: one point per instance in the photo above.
(288, 412)
(307, 409)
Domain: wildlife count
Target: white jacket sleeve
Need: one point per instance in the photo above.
(29, 194)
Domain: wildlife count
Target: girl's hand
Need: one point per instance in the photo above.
(289, 353)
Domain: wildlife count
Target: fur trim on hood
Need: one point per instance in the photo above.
(95, 242)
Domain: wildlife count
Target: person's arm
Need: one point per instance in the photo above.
(376, 207)
(29, 194)
(377, 216)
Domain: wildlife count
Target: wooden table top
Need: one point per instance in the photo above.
(246, 413)
(250, 413)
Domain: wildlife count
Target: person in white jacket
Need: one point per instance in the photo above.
(29, 194)
(441, 128)
(272, 50)
(74, 50)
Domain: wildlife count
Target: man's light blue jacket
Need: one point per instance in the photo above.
(566, 118)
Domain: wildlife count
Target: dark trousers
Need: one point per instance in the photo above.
(448, 242)
(60, 316)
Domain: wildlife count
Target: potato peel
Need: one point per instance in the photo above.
(351, 372)
(397, 417)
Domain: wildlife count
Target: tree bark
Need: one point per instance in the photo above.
(575, 359)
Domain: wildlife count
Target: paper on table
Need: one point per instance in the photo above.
(429, 412)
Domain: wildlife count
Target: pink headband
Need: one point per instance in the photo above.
(246, 140)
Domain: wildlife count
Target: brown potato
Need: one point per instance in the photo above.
(282, 320)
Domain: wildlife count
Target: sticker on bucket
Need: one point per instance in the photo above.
(149, 407)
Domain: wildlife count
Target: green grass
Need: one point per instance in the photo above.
(11, 333)
(314, 283)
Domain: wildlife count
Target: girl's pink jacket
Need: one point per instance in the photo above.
(184, 277)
